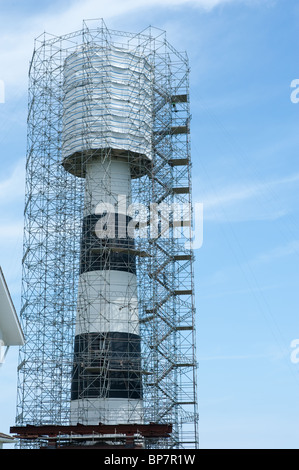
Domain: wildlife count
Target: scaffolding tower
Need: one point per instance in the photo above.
(159, 244)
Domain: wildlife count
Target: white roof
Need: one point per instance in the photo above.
(4, 438)
(10, 329)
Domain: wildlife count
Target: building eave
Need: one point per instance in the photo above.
(10, 328)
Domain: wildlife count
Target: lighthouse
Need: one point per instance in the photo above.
(106, 139)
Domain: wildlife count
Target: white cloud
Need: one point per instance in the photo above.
(10, 232)
(12, 188)
(249, 200)
(17, 36)
(289, 249)
(12, 196)
(236, 193)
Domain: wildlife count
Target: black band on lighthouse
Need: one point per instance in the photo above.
(99, 254)
(107, 365)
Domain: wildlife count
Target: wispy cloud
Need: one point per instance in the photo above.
(236, 193)
(13, 186)
(289, 249)
(11, 218)
(12, 189)
(249, 200)
(19, 40)
(11, 231)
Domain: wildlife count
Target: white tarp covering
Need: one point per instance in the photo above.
(107, 101)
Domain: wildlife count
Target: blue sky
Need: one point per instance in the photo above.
(243, 57)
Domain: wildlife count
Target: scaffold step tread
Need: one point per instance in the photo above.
(183, 257)
(183, 292)
(181, 190)
(179, 98)
(178, 161)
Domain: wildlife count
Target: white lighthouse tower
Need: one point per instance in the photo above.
(107, 140)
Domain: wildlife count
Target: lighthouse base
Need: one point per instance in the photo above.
(92, 411)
